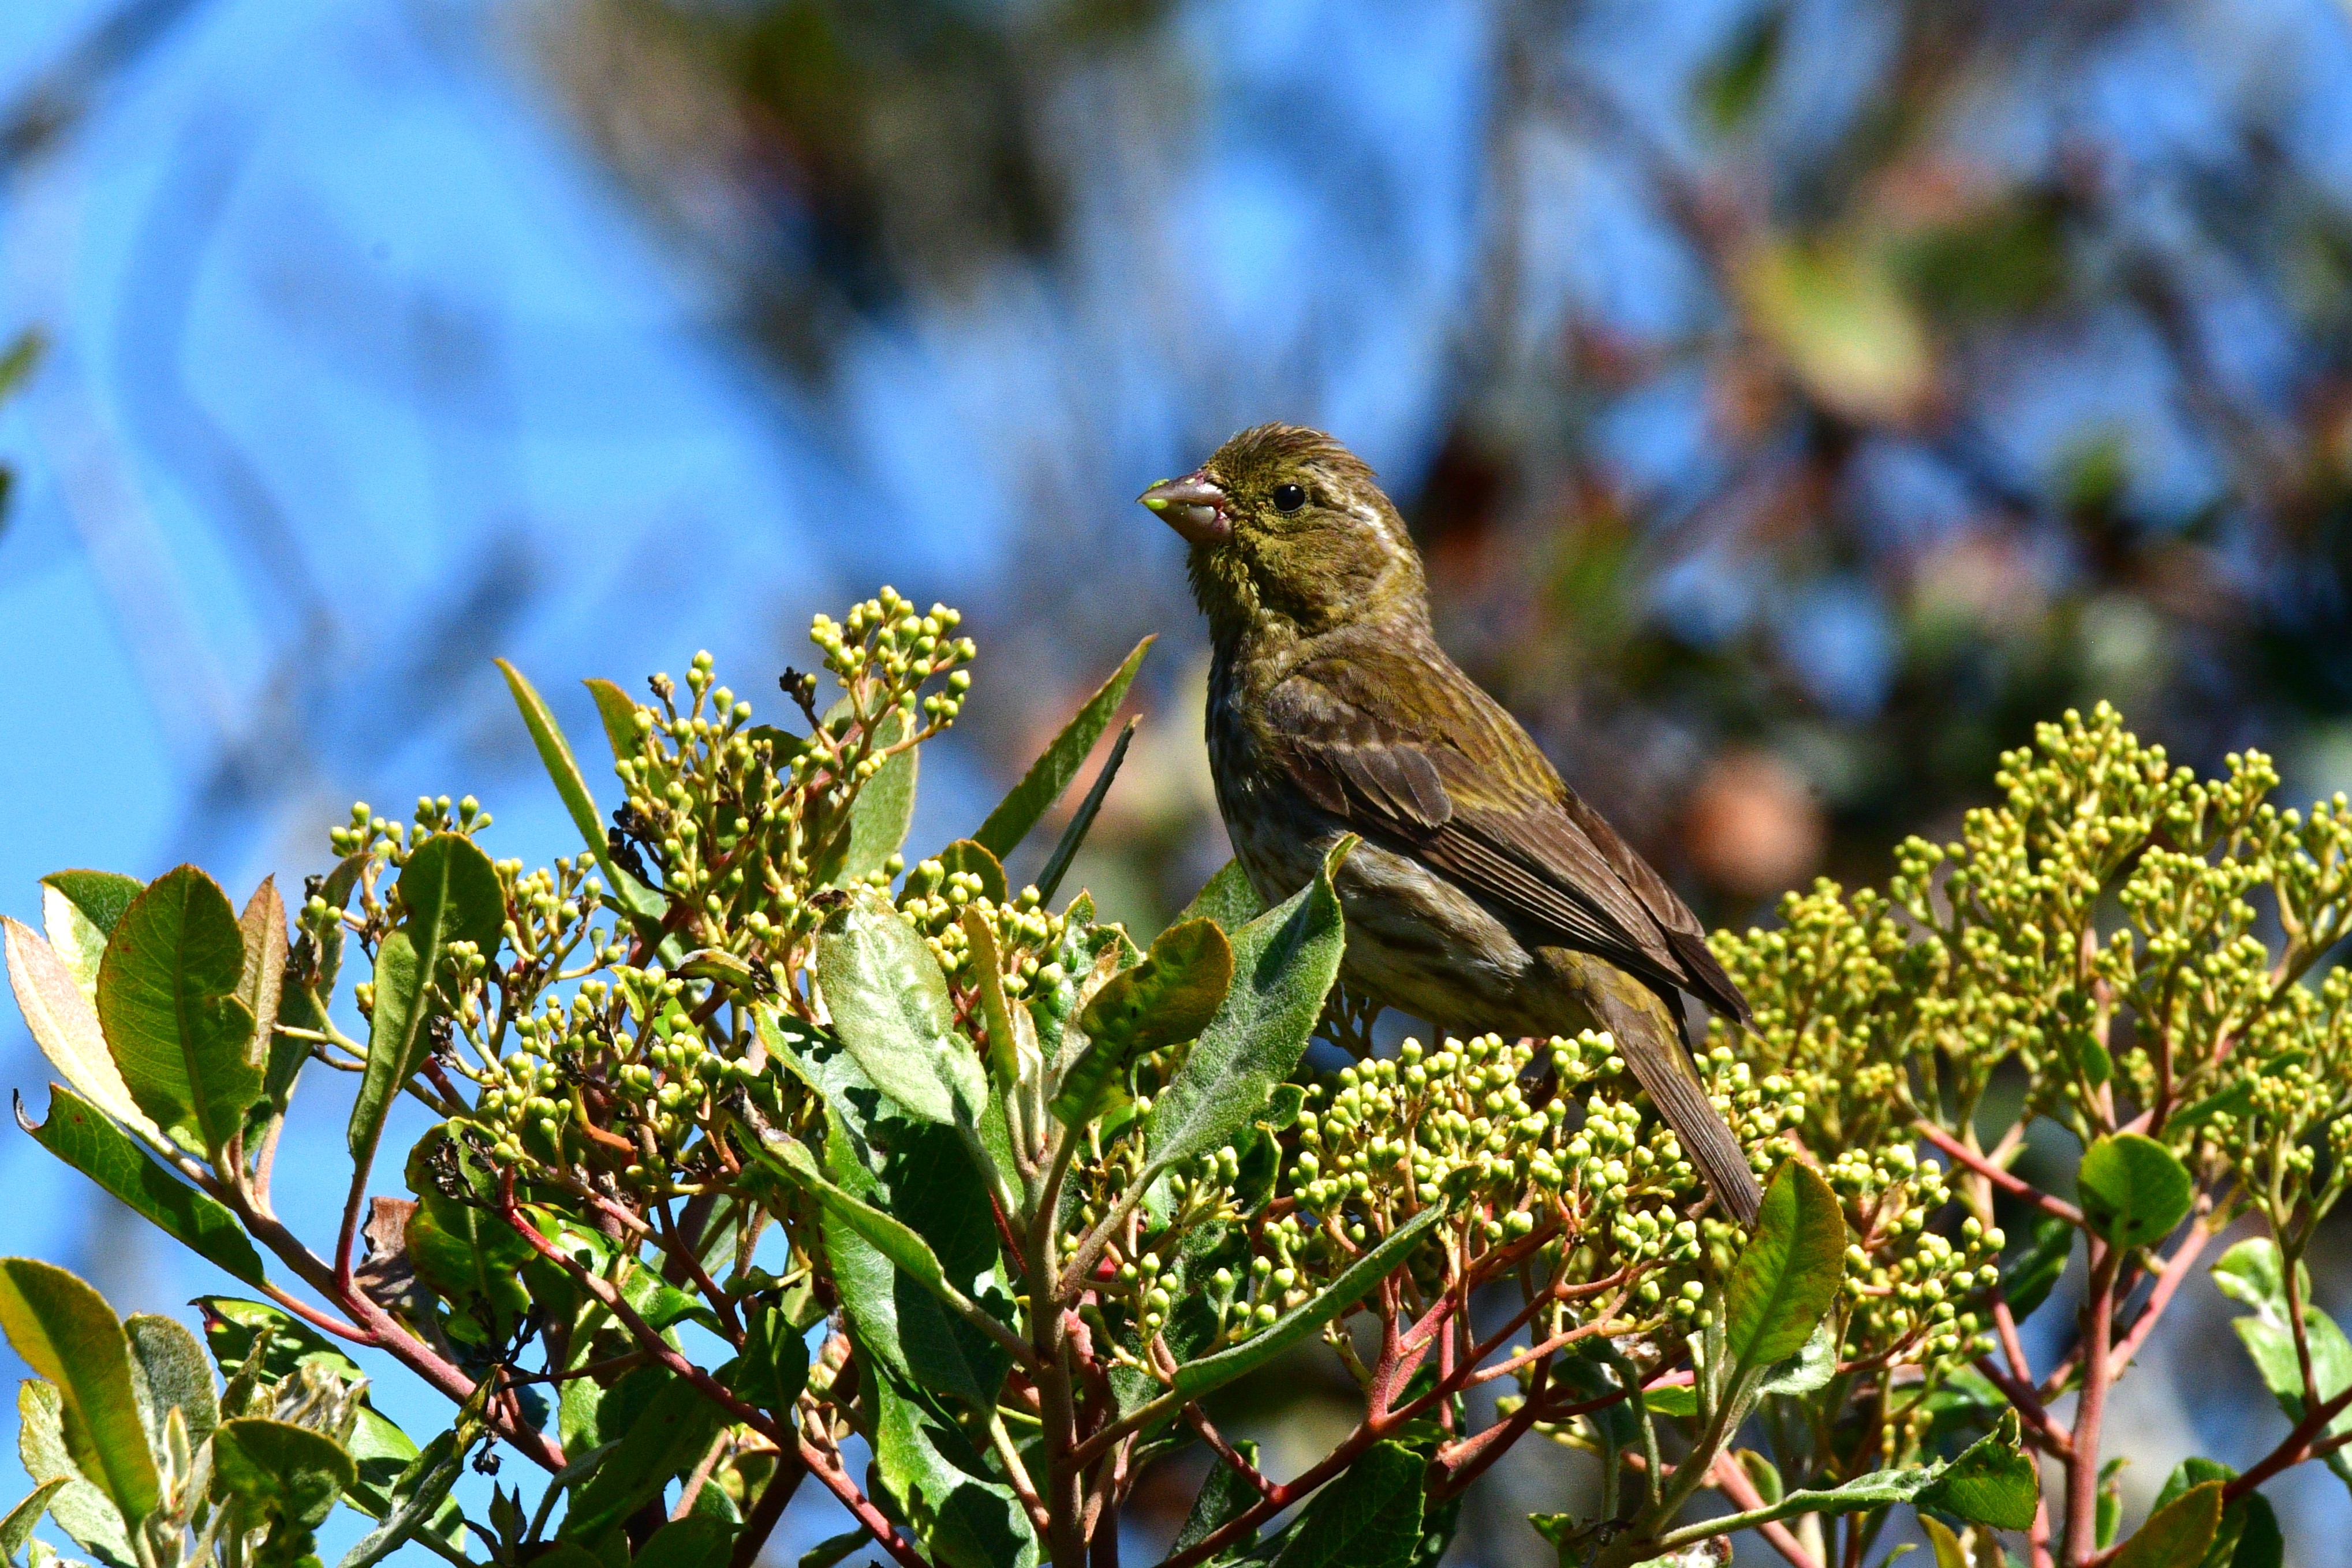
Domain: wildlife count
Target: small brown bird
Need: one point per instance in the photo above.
(1485, 896)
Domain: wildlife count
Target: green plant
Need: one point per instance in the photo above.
(754, 1144)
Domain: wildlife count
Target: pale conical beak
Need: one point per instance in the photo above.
(1194, 506)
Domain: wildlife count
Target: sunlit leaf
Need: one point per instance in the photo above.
(1789, 1273)
(2134, 1190)
(1051, 773)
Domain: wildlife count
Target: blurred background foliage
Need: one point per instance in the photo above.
(1795, 400)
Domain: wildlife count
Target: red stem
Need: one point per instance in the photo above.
(2013, 1186)
(2082, 1466)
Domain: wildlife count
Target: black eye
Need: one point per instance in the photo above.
(1289, 498)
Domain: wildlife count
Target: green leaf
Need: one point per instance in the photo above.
(463, 1252)
(1166, 999)
(1197, 1378)
(167, 1001)
(961, 1513)
(879, 816)
(1223, 1497)
(970, 857)
(1949, 1553)
(1082, 821)
(1789, 1273)
(2133, 1190)
(1991, 1482)
(79, 910)
(1284, 962)
(635, 898)
(2248, 1535)
(917, 1173)
(1369, 1518)
(2178, 1535)
(169, 1372)
(894, 1240)
(834, 1548)
(64, 1021)
(451, 892)
(2028, 1277)
(667, 1439)
(419, 1502)
(263, 928)
(775, 1362)
(76, 1133)
(274, 1343)
(1050, 775)
(1671, 1399)
(1812, 1367)
(617, 711)
(80, 1506)
(1226, 898)
(68, 1334)
(279, 1471)
(383, 1452)
(890, 1006)
(2252, 1273)
(696, 1542)
(17, 1528)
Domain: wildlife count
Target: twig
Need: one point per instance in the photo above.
(2013, 1186)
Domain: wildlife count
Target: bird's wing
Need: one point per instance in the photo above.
(1398, 742)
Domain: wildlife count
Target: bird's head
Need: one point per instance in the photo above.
(1286, 523)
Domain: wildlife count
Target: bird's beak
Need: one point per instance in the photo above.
(1194, 506)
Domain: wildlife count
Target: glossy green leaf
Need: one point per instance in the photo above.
(64, 1021)
(17, 1527)
(80, 1506)
(68, 1334)
(556, 754)
(1197, 1378)
(418, 1502)
(170, 1371)
(1789, 1273)
(965, 1517)
(696, 1541)
(76, 1133)
(1082, 821)
(970, 858)
(463, 1252)
(667, 1439)
(1226, 898)
(1991, 1482)
(382, 1453)
(1946, 1547)
(2251, 1272)
(79, 910)
(1003, 1036)
(1368, 1517)
(618, 713)
(889, 1004)
(1166, 999)
(1284, 964)
(1051, 773)
(451, 892)
(279, 1470)
(1224, 1496)
(1678, 1399)
(2133, 1189)
(2178, 1535)
(2028, 1277)
(167, 1001)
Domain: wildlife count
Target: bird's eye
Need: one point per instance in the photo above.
(1289, 498)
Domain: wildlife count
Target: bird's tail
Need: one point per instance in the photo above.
(1653, 1041)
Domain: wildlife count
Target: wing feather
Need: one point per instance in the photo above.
(1402, 746)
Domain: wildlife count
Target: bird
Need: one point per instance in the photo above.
(1484, 895)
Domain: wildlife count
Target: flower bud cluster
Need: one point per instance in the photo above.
(1028, 936)
(886, 637)
(1910, 1291)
